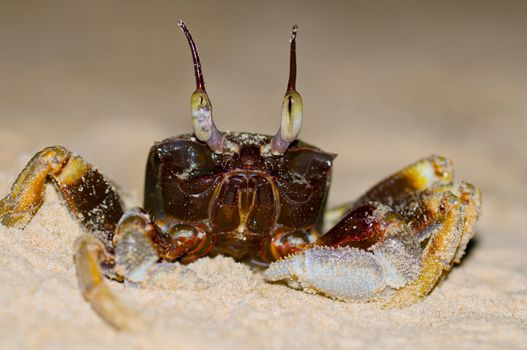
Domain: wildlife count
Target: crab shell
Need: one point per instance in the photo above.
(241, 196)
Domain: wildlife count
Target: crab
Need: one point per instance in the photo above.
(261, 200)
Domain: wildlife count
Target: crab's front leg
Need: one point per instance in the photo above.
(139, 244)
(369, 253)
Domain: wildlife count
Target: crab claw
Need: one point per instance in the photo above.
(342, 273)
(367, 256)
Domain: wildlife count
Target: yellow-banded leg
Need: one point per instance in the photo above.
(88, 195)
(93, 201)
(394, 190)
(125, 245)
(445, 221)
(90, 254)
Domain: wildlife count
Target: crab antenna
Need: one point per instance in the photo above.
(292, 107)
(201, 109)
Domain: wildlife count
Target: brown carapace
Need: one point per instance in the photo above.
(243, 198)
(259, 199)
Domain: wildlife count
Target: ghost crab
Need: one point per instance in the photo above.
(258, 199)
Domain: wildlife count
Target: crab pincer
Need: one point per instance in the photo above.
(371, 252)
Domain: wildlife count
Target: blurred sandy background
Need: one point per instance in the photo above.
(383, 82)
(405, 79)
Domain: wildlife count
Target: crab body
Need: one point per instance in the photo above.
(242, 198)
(259, 199)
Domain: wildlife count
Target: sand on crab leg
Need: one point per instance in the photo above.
(457, 207)
(90, 198)
(95, 204)
(89, 254)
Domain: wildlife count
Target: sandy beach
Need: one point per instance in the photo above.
(107, 83)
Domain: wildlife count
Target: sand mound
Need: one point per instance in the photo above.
(219, 303)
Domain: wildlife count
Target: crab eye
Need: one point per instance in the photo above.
(291, 123)
(201, 111)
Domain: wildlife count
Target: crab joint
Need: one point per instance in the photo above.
(292, 107)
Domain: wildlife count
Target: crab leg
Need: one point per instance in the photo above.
(410, 186)
(438, 254)
(94, 202)
(456, 207)
(89, 254)
(424, 174)
(470, 196)
(88, 195)
(140, 243)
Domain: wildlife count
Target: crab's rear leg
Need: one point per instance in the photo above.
(393, 191)
(93, 201)
(444, 219)
(88, 195)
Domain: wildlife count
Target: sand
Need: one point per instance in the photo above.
(219, 303)
(383, 83)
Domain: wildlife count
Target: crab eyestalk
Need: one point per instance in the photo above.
(292, 107)
(201, 109)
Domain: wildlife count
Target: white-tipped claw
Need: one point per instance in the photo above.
(342, 273)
